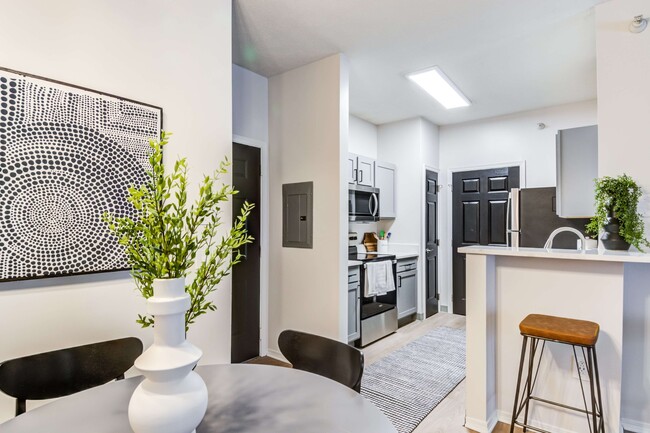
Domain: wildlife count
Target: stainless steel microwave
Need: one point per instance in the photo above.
(363, 203)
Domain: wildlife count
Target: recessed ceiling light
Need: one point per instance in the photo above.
(438, 85)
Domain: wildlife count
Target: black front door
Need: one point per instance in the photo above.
(480, 201)
(431, 244)
(246, 275)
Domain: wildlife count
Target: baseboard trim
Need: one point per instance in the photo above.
(631, 425)
(481, 426)
(506, 418)
(277, 355)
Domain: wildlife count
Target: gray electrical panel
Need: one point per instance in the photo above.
(297, 215)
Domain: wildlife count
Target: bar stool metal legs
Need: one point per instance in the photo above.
(523, 395)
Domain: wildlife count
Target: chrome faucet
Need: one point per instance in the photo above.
(549, 242)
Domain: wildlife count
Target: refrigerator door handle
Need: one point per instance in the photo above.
(508, 220)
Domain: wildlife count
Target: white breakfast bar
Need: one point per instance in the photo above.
(504, 285)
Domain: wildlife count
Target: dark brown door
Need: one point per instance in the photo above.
(480, 201)
(431, 244)
(246, 274)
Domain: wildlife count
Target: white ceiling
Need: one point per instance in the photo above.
(505, 55)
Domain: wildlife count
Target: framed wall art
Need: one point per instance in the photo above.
(67, 155)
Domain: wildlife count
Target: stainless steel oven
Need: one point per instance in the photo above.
(378, 313)
(363, 203)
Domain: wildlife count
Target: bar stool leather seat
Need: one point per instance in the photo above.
(561, 329)
(582, 336)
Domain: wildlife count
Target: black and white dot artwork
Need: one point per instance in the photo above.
(67, 155)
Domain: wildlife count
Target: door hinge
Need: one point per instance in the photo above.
(438, 188)
(437, 242)
(437, 296)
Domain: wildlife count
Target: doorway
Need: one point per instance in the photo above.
(479, 215)
(245, 326)
(431, 243)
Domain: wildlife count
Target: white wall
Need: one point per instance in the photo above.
(308, 131)
(497, 141)
(410, 145)
(514, 138)
(160, 52)
(399, 144)
(363, 137)
(623, 118)
(250, 105)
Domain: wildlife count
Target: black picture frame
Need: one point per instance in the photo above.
(113, 139)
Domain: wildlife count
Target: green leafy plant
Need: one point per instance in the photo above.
(168, 235)
(619, 197)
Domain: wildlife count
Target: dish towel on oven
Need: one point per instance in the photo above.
(379, 278)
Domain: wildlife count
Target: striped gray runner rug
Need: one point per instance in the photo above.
(407, 384)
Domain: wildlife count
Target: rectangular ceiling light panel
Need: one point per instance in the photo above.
(438, 85)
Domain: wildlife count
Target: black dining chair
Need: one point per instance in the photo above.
(323, 356)
(66, 371)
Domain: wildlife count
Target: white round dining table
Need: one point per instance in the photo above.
(242, 398)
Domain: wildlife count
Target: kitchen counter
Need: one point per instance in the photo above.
(504, 285)
(352, 263)
(542, 253)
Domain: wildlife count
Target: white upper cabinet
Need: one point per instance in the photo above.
(365, 171)
(385, 181)
(577, 167)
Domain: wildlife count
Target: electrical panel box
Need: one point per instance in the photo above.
(297, 215)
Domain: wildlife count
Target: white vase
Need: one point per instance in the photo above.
(172, 398)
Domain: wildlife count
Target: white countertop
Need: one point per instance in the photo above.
(542, 253)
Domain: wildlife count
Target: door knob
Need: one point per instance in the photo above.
(428, 250)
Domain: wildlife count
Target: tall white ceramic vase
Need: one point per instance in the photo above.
(172, 398)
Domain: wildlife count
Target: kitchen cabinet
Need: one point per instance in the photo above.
(407, 287)
(354, 300)
(351, 168)
(360, 170)
(576, 169)
(385, 181)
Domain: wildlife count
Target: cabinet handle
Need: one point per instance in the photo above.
(355, 174)
(361, 172)
(399, 282)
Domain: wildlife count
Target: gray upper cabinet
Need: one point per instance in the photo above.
(351, 168)
(577, 167)
(385, 181)
(365, 171)
(360, 170)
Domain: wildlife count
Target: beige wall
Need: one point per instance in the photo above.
(160, 52)
(308, 130)
(624, 147)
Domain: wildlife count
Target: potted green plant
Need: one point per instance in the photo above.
(617, 215)
(179, 253)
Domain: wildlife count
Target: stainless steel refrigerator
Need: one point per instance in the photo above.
(533, 217)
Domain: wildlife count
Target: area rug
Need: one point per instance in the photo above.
(410, 382)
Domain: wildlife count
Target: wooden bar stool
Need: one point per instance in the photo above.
(576, 333)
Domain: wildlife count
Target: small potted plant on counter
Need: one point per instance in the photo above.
(617, 216)
(179, 252)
